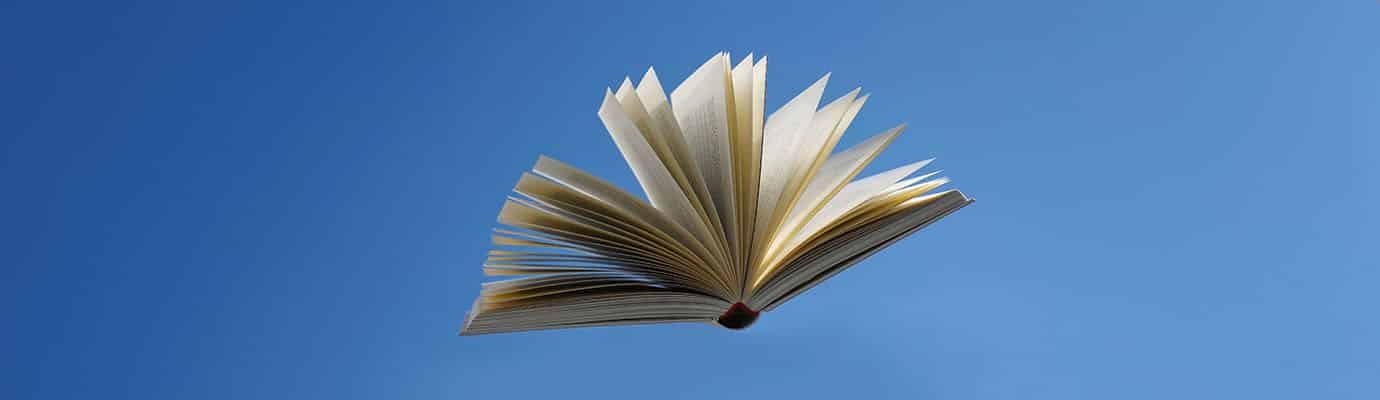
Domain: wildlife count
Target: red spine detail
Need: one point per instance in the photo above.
(739, 316)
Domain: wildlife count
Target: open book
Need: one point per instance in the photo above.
(746, 210)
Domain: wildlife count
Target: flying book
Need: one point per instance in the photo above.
(745, 210)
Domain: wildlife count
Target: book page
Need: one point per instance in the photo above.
(702, 106)
(651, 173)
(629, 207)
(669, 147)
(850, 196)
(747, 158)
(824, 260)
(582, 300)
(836, 172)
(597, 214)
(813, 145)
(664, 124)
(778, 157)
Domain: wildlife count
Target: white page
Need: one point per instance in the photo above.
(660, 186)
(701, 105)
(831, 178)
(849, 197)
(778, 147)
(664, 124)
(841, 253)
(812, 145)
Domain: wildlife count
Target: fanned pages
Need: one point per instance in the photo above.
(745, 210)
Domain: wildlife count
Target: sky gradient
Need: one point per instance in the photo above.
(253, 200)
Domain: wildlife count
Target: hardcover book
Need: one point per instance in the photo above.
(744, 211)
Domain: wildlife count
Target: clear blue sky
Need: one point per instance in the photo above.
(253, 201)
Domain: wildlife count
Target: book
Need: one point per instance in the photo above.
(745, 210)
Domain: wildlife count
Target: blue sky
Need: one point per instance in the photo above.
(257, 200)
